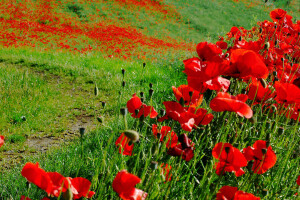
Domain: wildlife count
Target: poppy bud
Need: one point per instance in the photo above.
(282, 59)
(151, 92)
(123, 72)
(280, 130)
(263, 82)
(150, 85)
(144, 65)
(191, 94)
(68, 195)
(275, 26)
(260, 30)
(227, 149)
(132, 135)
(142, 94)
(244, 91)
(181, 101)
(100, 119)
(276, 42)
(96, 90)
(23, 118)
(154, 165)
(162, 112)
(240, 38)
(142, 99)
(136, 111)
(123, 83)
(103, 104)
(81, 131)
(28, 185)
(267, 45)
(250, 165)
(123, 111)
(226, 55)
(264, 151)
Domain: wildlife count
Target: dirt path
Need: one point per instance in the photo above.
(41, 143)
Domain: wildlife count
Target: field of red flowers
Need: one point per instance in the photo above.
(230, 132)
(43, 26)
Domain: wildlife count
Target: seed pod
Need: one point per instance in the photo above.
(151, 92)
(68, 195)
(123, 72)
(132, 135)
(96, 91)
(142, 99)
(142, 94)
(123, 84)
(227, 149)
(264, 151)
(150, 85)
(81, 131)
(263, 82)
(267, 45)
(100, 119)
(144, 65)
(191, 94)
(123, 111)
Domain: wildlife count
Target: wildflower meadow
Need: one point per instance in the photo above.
(153, 99)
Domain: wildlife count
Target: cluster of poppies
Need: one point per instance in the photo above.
(269, 66)
(55, 184)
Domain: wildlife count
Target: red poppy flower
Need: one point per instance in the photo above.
(287, 93)
(258, 92)
(187, 117)
(124, 184)
(36, 175)
(298, 180)
(80, 187)
(208, 51)
(264, 158)
(137, 108)
(199, 72)
(185, 149)
(166, 131)
(165, 170)
(230, 159)
(1, 140)
(218, 84)
(244, 63)
(59, 183)
(223, 45)
(232, 193)
(123, 144)
(189, 96)
(24, 198)
(226, 102)
(277, 14)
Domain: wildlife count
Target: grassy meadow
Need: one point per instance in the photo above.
(61, 65)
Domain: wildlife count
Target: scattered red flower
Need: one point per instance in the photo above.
(185, 149)
(1, 140)
(188, 95)
(298, 180)
(137, 108)
(165, 131)
(226, 102)
(230, 159)
(232, 193)
(54, 183)
(165, 170)
(277, 14)
(123, 144)
(124, 184)
(264, 157)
